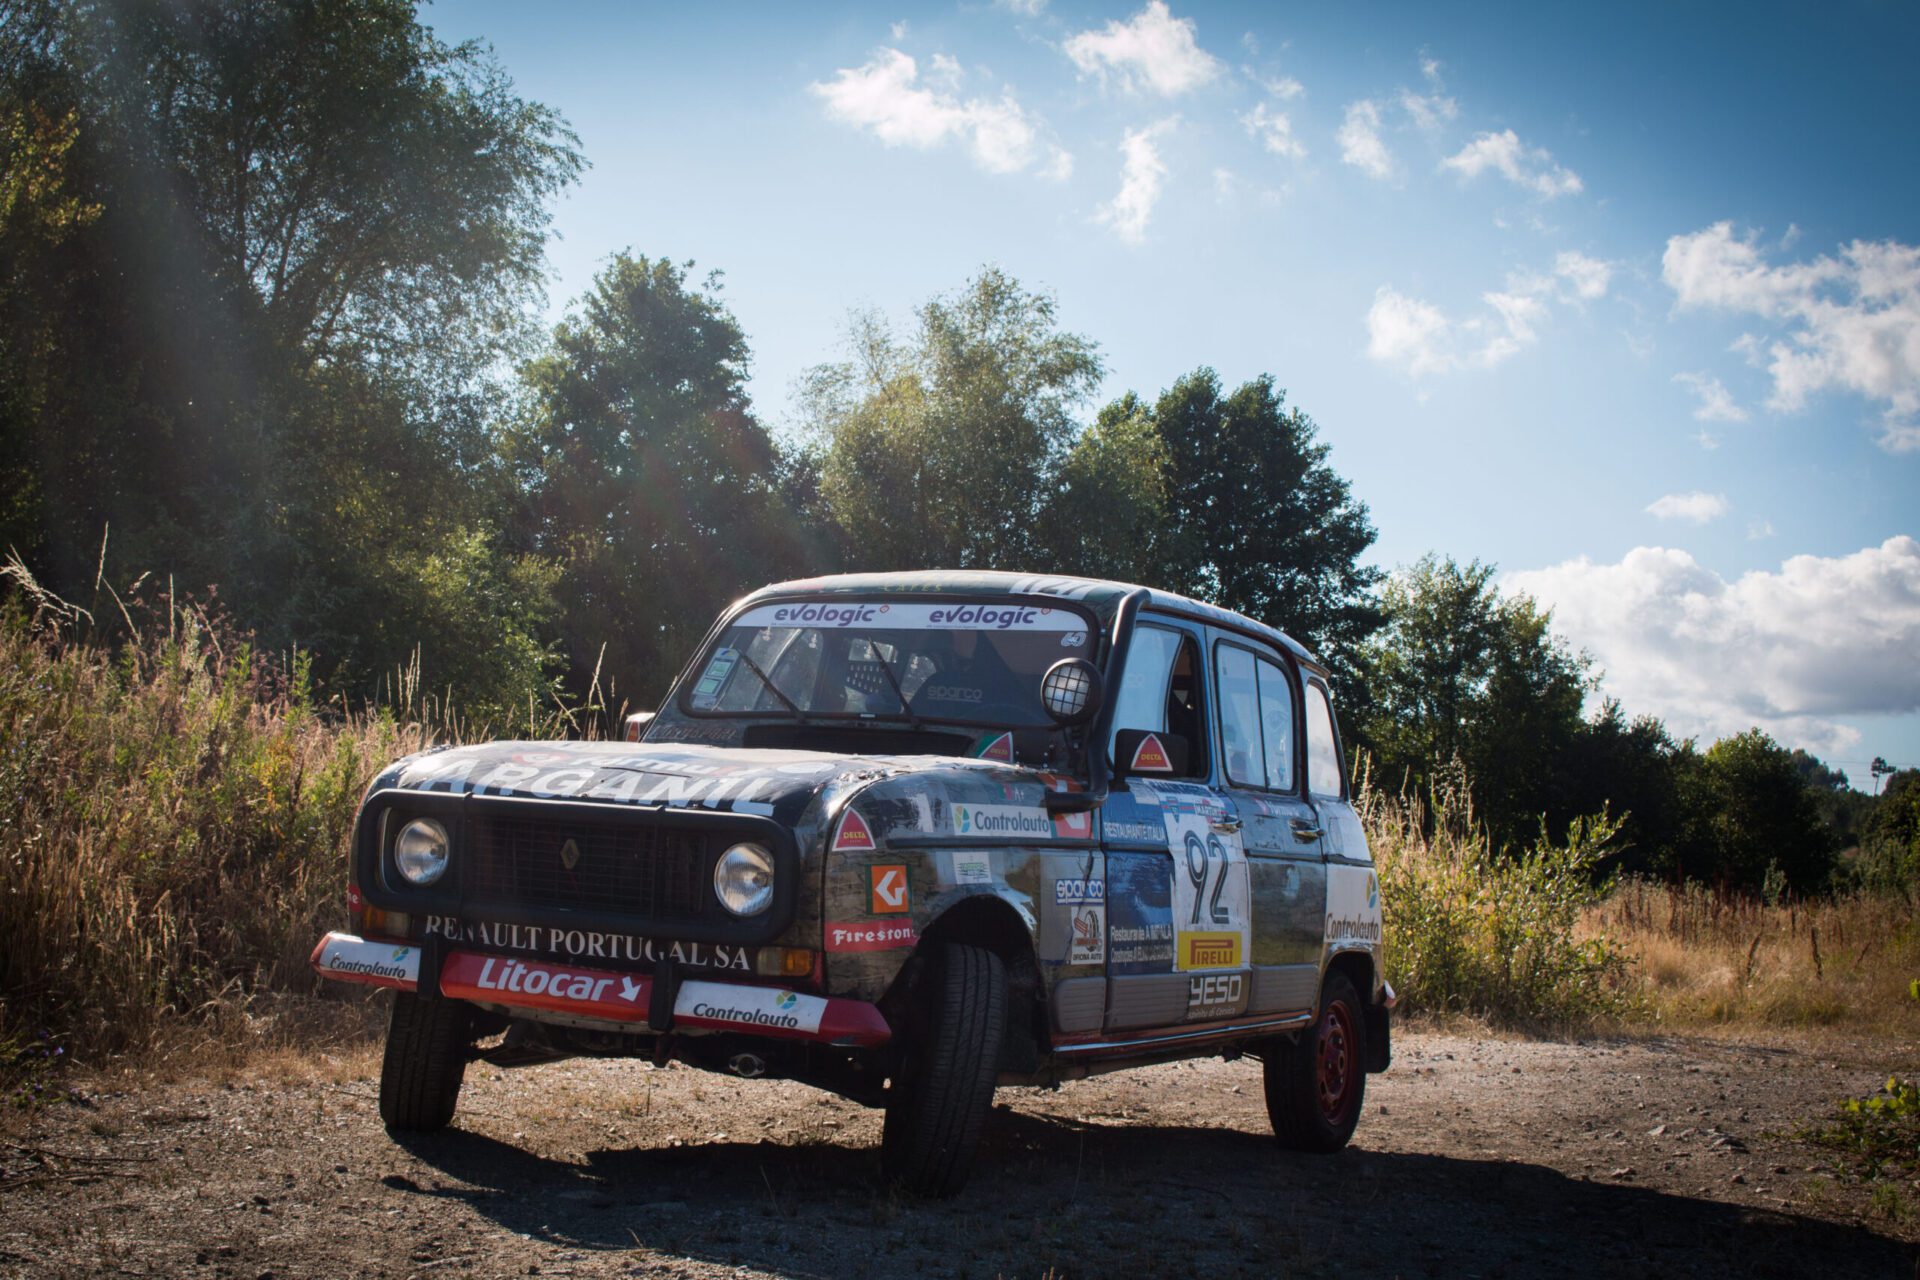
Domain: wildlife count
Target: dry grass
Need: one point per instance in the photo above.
(1704, 959)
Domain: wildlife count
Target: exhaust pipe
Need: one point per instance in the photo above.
(748, 1066)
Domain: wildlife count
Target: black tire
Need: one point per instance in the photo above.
(938, 1104)
(426, 1059)
(1317, 1083)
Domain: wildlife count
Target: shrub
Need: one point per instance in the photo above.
(1492, 934)
(1879, 1135)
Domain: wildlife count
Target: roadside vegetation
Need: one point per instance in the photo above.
(381, 541)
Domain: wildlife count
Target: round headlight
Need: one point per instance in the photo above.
(743, 879)
(420, 851)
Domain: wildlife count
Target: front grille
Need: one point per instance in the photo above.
(651, 873)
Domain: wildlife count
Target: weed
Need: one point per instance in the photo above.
(1877, 1136)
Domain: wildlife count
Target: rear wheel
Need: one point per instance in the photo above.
(937, 1106)
(1316, 1084)
(426, 1060)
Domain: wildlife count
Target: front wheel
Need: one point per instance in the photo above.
(425, 1062)
(1315, 1085)
(938, 1103)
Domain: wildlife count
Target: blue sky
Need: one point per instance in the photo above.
(1626, 300)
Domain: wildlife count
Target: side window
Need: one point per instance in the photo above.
(1240, 716)
(1276, 725)
(1324, 771)
(1161, 691)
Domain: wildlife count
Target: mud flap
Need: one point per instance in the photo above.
(1379, 1047)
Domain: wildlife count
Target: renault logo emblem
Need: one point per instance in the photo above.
(570, 855)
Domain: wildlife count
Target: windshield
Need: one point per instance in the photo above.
(941, 661)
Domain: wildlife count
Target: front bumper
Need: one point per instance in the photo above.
(543, 986)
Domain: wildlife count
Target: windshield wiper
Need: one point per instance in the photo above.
(767, 680)
(886, 668)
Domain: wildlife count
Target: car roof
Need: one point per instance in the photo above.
(1101, 595)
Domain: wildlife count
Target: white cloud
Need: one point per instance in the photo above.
(1434, 108)
(1588, 276)
(1407, 332)
(1153, 49)
(1419, 338)
(1274, 131)
(1788, 651)
(1716, 402)
(1759, 530)
(899, 29)
(1059, 166)
(887, 97)
(1284, 88)
(1142, 174)
(1694, 507)
(1026, 8)
(1223, 184)
(1359, 139)
(1849, 323)
(1503, 152)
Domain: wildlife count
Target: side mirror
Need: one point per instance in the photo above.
(637, 724)
(1070, 691)
(1149, 752)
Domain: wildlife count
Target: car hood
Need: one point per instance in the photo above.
(783, 785)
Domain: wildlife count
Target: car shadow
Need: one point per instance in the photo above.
(1049, 1192)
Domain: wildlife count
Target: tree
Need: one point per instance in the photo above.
(1107, 516)
(1759, 819)
(275, 348)
(1460, 672)
(1890, 849)
(647, 478)
(1258, 521)
(941, 450)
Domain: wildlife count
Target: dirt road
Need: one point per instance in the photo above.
(1476, 1157)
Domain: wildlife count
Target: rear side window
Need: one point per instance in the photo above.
(1240, 717)
(1276, 725)
(1324, 770)
(1256, 719)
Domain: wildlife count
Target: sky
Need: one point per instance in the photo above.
(1623, 299)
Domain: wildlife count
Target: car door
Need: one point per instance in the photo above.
(1352, 918)
(1179, 906)
(1261, 736)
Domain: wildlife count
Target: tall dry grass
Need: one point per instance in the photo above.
(1704, 958)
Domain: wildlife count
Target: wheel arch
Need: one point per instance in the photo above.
(1358, 968)
(993, 924)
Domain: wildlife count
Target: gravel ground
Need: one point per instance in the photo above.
(1477, 1156)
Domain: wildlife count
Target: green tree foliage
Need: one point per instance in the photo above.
(647, 479)
(1256, 519)
(1107, 517)
(1889, 860)
(1756, 819)
(265, 261)
(1462, 673)
(941, 450)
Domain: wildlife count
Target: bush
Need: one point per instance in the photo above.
(1490, 934)
(1878, 1136)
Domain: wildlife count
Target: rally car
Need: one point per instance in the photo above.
(905, 837)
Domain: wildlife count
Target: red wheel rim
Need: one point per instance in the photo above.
(1336, 1061)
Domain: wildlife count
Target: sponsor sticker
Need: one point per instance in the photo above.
(589, 944)
(1073, 826)
(1353, 906)
(890, 893)
(768, 1008)
(996, 747)
(1073, 639)
(854, 835)
(706, 691)
(829, 616)
(1209, 951)
(379, 961)
(1216, 995)
(972, 868)
(1000, 820)
(1069, 892)
(871, 936)
(1150, 757)
(1089, 935)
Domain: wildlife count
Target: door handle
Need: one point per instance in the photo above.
(1305, 832)
(1226, 826)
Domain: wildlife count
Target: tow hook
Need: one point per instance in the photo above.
(748, 1066)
